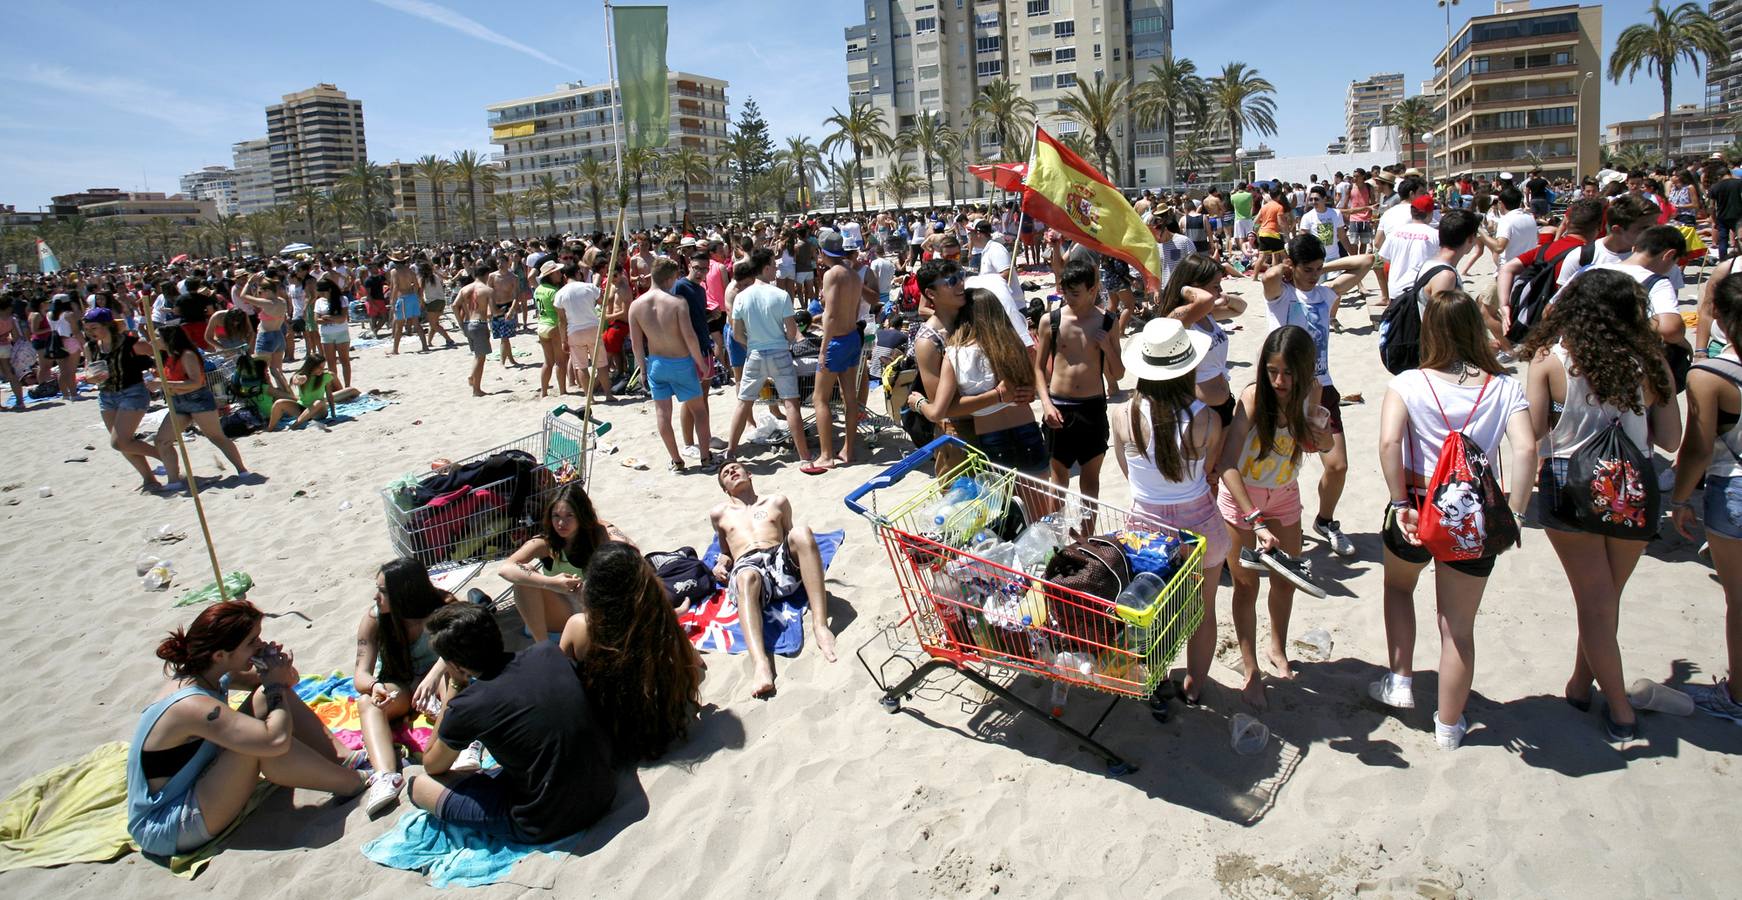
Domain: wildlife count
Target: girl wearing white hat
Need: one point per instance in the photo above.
(1165, 464)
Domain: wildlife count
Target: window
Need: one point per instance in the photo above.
(1064, 55)
(1066, 79)
(925, 24)
(1041, 57)
(1069, 127)
(1040, 83)
(1148, 148)
(924, 7)
(927, 73)
(1116, 53)
(1096, 26)
(991, 68)
(928, 97)
(1097, 51)
(1064, 29)
(1149, 25)
(1039, 7)
(988, 44)
(907, 121)
(870, 13)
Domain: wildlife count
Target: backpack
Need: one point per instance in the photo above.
(1610, 488)
(1400, 326)
(249, 382)
(687, 579)
(1536, 285)
(1465, 515)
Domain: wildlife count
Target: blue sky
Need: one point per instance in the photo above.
(138, 93)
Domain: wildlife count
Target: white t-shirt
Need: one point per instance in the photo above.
(579, 302)
(852, 233)
(1428, 428)
(1660, 300)
(882, 274)
(1001, 289)
(1518, 227)
(1604, 255)
(1324, 227)
(994, 259)
(1406, 248)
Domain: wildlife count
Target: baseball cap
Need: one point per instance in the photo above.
(832, 245)
(99, 315)
(688, 241)
(1422, 203)
(983, 227)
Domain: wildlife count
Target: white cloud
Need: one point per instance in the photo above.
(139, 98)
(447, 18)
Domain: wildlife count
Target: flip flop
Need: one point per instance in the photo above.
(1351, 399)
(811, 468)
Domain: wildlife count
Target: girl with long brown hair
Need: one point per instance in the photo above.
(986, 374)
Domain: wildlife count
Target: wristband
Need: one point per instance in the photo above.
(1400, 504)
(1253, 516)
(1679, 504)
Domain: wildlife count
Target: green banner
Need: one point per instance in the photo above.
(640, 35)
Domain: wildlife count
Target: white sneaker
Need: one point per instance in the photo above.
(471, 759)
(1450, 737)
(1332, 532)
(1393, 692)
(691, 451)
(383, 792)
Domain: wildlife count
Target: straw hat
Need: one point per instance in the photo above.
(1165, 350)
(549, 267)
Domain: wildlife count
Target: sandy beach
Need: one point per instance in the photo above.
(819, 792)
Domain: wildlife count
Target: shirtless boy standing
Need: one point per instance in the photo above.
(842, 346)
(504, 303)
(1076, 354)
(670, 358)
(407, 303)
(472, 307)
(764, 557)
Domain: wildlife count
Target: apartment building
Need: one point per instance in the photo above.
(252, 162)
(1524, 89)
(1366, 105)
(140, 209)
(214, 183)
(550, 133)
(1724, 76)
(415, 200)
(1693, 131)
(912, 58)
(313, 137)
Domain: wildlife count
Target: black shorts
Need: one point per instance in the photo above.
(1333, 402)
(1225, 411)
(1392, 537)
(716, 320)
(1201, 246)
(1083, 435)
(1269, 244)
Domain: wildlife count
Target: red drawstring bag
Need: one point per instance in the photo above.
(1464, 515)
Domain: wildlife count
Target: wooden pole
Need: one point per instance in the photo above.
(187, 465)
(616, 244)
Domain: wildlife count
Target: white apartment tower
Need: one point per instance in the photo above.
(315, 135)
(1367, 104)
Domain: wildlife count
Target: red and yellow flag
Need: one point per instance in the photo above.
(1072, 197)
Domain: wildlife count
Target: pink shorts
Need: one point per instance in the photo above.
(1279, 505)
(581, 345)
(1198, 516)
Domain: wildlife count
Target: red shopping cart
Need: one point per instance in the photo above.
(975, 584)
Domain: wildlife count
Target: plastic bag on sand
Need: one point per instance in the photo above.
(236, 584)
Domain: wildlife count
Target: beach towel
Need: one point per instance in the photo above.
(343, 412)
(452, 855)
(713, 626)
(334, 699)
(7, 400)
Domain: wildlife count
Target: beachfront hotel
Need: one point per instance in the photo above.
(1366, 104)
(550, 133)
(314, 136)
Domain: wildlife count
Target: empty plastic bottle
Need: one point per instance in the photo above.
(1142, 592)
(1247, 735)
(1315, 645)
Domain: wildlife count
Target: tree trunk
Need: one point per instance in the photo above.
(598, 212)
(1665, 126)
(930, 200)
(640, 213)
(472, 206)
(859, 176)
(1171, 170)
(550, 212)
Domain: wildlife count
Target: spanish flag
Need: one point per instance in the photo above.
(1070, 196)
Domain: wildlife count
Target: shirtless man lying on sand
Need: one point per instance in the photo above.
(764, 557)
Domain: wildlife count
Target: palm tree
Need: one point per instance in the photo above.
(929, 138)
(954, 158)
(741, 150)
(528, 205)
(549, 192)
(1685, 31)
(1174, 89)
(506, 206)
(278, 220)
(780, 180)
(308, 201)
(368, 184)
(1099, 108)
(899, 183)
(807, 163)
(638, 163)
(1192, 154)
(860, 128)
(686, 166)
(339, 206)
(595, 175)
(1238, 100)
(258, 227)
(471, 170)
(842, 174)
(1412, 116)
(224, 226)
(438, 172)
(1005, 114)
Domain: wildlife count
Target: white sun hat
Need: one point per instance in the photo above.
(1165, 350)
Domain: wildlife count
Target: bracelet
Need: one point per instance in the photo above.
(1400, 504)
(1253, 516)
(1679, 504)
(1260, 526)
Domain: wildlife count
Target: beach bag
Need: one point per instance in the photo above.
(1536, 285)
(1095, 566)
(241, 422)
(687, 579)
(451, 518)
(249, 382)
(1400, 326)
(1465, 515)
(1610, 489)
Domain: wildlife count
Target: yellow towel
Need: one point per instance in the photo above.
(72, 813)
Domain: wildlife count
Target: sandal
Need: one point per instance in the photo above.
(810, 467)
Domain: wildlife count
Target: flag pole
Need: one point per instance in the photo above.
(610, 286)
(187, 464)
(1021, 209)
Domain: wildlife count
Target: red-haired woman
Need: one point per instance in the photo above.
(195, 761)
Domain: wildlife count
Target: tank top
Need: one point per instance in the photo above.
(1215, 362)
(974, 374)
(1195, 229)
(1278, 469)
(1727, 448)
(1358, 197)
(126, 368)
(1148, 485)
(1583, 417)
(152, 817)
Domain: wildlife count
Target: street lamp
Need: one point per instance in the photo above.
(1428, 158)
(1446, 81)
(1239, 163)
(1579, 127)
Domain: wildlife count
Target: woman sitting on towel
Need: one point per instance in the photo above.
(311, 384)
(569, 533)
(195, 761)
(393, 658)
(642, 674)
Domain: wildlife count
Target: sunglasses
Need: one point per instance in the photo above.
(952, 280)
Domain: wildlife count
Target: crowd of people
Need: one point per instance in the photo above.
(1586, 299)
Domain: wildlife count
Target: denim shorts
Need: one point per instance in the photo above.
(1723, 512)
(200, 401)
(269, 341)
(1022, 448)
(130, 399)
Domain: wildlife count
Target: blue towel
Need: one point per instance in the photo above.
(8, 401)
(715, 627)
(344, 412)
(452, 855)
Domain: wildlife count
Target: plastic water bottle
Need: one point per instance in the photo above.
(1315, 645)
(145, 563)
(159, 576)
(1142, 592)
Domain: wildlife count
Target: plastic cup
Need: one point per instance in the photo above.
(1649, 695)
(1247, 735)
(1319, 417)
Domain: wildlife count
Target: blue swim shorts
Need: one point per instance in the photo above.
(669, 376)
(843, 352)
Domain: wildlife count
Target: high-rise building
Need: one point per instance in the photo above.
(252, 163)
(62, 205)
(1338, 146)
(550, 133)
(1367, 104)
(913, 58)
(214, 183)
(1724, 75)
(315, 135)
(415, 200)
(1524, 90)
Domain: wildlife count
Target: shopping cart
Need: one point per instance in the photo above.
(982, 608)
(488, 520)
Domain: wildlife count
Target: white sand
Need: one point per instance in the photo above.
(820, 792)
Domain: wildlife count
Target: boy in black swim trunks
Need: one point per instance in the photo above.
(1076, 353)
